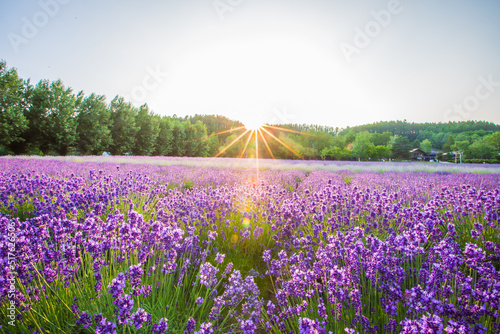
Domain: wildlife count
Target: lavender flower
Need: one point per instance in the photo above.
(161, 327)
(208, 274)
(219, 258)
(190, 326)
(138, 318)
(205, 328)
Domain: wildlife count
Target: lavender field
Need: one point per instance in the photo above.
(197, 246)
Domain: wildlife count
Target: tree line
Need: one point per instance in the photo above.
(48, 118)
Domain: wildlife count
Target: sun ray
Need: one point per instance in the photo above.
(289, 130)
(282, 143)
(257, 132)
(267, 145)
(246, 144)
(257, 153)
(232, 143)
(219, 133)
(256, 145)
(283, 129)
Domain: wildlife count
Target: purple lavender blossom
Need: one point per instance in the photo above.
(161, 327)
(205, 328)
(208, 274)
(115, 288)
(138, 318)
(190, 326)
(85, 320)
(308, 326)
(219, 258)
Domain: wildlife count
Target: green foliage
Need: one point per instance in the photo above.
(232, 150)
(448, 143)
(426, 145)
(337, 153)
(400, 147)
(216, 124)
(163, 145)
(413, 130)
(381, 139)
(460, 146)
(148, 131)
(93, 125)
(124, 128)
(179, 138)
(5, 151)
(380, 152)
(213, 144)
(362, 146)
(51, 117)
(481, 149)
(196, 144)
(494, 141)
(12, 106)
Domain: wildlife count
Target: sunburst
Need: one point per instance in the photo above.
(253, 125)
(257, 132)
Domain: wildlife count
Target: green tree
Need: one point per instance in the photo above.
(148, 130)
(195, 135)
(361, 145)
(494, 141)
(460, 147)
(200, 142)
(93, 125)
(380, 152)
(448, 143)
(481, 149)
(349, 138)
(124, 128)
(426, 145)
(338, 141)
(178, 139)
(213, 144)
(379, 139)
(163, 145)
(190, 144)
(336, 153)
(316, 141)
(462, 136)
(52, 118)
(400, 147)
(12, 106)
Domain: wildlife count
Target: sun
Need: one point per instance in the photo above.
(256, 131)
(253, 124)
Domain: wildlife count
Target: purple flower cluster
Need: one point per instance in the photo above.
(161, 327)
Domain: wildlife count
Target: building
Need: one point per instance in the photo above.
(419, 155)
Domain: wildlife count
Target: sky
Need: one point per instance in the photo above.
(335, 63)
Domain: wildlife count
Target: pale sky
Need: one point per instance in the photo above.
(336, 63)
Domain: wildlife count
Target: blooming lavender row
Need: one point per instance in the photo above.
(174, 249)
